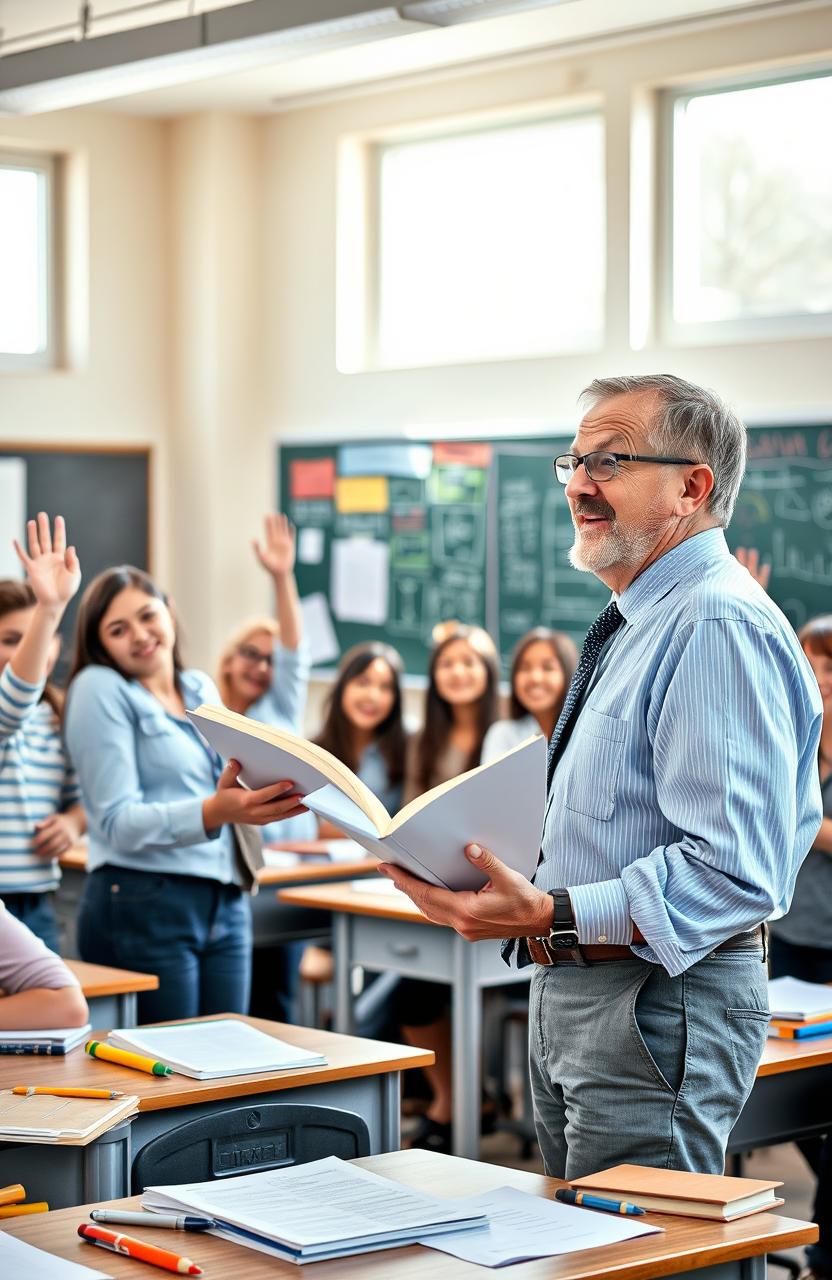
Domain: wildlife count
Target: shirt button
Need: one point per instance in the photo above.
(602, 937)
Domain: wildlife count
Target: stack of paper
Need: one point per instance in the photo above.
(325, 1209)
(799, 1010)
(75, 1121)
(219, 1047)
(58, 1041)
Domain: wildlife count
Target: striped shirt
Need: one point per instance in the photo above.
(687, 796)
(36, 780)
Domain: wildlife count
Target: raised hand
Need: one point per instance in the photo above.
(276, 553)
(51, 566)
(749, 558)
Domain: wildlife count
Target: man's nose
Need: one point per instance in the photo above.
(579, 483)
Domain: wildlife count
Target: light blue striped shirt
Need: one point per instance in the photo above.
(36, 780)
(687, 796)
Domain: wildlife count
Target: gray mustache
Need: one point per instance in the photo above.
(594, 509)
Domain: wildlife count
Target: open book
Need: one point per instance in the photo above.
(499, 805)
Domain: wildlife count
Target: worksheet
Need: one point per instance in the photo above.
(20, 1259)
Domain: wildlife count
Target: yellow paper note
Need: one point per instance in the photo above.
(366, 494)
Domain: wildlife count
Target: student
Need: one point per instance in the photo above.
(460, 707)
(801, 941)
(37, 989)
(363, 725)
(164, 892)
(543, 663)
(39, 793)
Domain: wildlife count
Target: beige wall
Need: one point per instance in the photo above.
(211, 306)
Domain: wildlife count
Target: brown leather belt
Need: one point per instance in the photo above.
(597, 954)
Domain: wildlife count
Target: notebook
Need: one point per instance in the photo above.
(799, 1001)
(41, 1118)
(694, 1195)
(218, 1047)
(54, 1041)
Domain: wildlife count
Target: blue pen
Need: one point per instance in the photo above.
(568, 1196)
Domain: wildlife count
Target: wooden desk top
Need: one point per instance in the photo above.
(100, 980)
(75, 859)
(343, 897)
(348, 1057)
(686, 1243)
(794, 1055)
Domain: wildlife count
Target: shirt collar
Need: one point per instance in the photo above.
(680, 563)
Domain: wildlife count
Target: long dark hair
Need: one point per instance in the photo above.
(335, 735)
(439, 716)
(564, 650)
(16, 595)
(95, 602)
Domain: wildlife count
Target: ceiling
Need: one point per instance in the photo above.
(294, 76)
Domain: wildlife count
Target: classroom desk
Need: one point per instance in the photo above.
(385, 932)
(362, 1076)
(111, 993)
(791, 1098)
(710, 1250)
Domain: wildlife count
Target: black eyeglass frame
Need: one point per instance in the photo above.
(617, 457)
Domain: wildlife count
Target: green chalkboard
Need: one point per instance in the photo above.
(480, 531)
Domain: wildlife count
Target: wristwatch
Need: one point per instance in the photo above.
(563, 935)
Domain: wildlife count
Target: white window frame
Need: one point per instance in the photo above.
(46, 166)
(720, 332)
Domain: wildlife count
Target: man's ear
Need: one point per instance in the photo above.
(699, 484)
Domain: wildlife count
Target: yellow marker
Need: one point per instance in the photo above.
(26, 1091)
(135, 1060)
(12, 1210)
(10, 1195)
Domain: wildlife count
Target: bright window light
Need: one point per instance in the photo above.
(491, 243)
(25, 192)
(752, 204)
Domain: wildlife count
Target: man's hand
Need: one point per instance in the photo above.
(507, 906)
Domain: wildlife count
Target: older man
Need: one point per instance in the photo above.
(683, 796)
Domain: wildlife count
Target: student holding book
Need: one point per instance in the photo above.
(39, 795)
(37, 991)
(542, 665)
(801, 941)
(168, 825)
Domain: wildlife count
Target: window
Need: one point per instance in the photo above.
(751, 209)
(490, 243)
(26, 261)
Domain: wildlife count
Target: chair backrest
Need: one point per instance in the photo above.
(249, 1139)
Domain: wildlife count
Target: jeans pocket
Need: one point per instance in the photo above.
(659, 1027)
(747, 1035)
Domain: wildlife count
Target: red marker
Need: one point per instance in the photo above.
(138, 1249)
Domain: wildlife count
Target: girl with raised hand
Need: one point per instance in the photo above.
(165, 892)
(39, 793)
(542, 666)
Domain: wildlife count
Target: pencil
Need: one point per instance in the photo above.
(27, 1091)
(12, 1210)
(11, 1195)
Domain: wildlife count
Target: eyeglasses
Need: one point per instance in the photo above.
(249, 654)
(601, 465)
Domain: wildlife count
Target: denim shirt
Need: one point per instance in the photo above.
(144, 775)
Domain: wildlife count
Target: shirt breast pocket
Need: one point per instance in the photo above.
(154, 739)
(595, 764)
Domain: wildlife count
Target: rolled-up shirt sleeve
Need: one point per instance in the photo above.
(731, 776)
(26, 962)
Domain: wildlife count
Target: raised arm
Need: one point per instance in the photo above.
(40, 991)
(276, 554)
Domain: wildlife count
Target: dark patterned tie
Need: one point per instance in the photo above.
(599, 633)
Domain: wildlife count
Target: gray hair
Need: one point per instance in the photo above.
(691, 422)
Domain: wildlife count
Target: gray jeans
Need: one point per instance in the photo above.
(629, 1065)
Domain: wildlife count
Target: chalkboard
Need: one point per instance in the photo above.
(479, 531)
(103, 494)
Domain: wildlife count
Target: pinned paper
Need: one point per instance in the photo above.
(467, 453)
(406, 460)
(359, 586)
(355, 494)
(312, 478)
(318, 632)
(311, 546)
(12, 514)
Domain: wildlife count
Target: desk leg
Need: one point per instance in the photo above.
(391, 1111)
(342, 941)
(128, 1009)
(466, 1027)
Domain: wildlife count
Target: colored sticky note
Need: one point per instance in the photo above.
(312, 478)
(361, 494)
(464, 452)
(385, 460)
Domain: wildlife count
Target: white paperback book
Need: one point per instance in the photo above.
(65, 1037)
(798, 1001)
(214, 1048)
(325, 1209)
(499, 805)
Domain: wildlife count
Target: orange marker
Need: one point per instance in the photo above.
(11, 1195)
(35, 1206)
(132, 1248)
